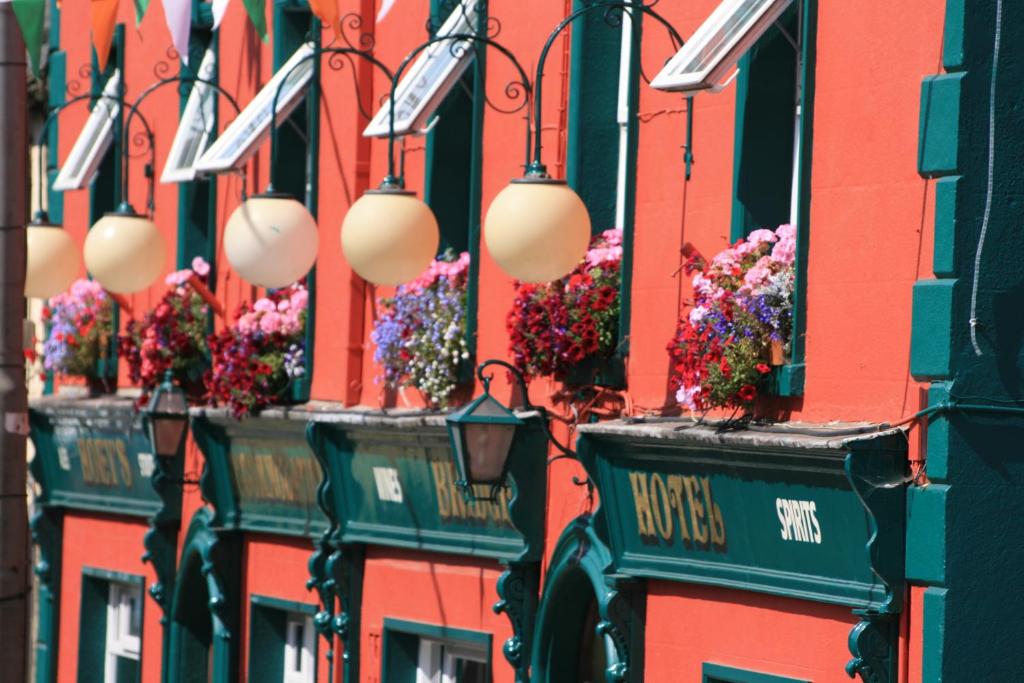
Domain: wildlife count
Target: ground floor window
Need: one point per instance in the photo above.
(282, 641)
(416, 652)
(124, 633)
(110, 627)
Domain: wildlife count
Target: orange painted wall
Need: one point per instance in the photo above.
(275, 567)
(690, 625)
(433, 589)
(104, 542)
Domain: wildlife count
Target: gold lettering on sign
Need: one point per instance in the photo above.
(666, 502)
(104, 462)
(451, 506)
(275, 477)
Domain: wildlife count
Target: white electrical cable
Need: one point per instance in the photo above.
(988, 192)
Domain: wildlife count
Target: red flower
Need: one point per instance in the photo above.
(747, 393)
(763, 369)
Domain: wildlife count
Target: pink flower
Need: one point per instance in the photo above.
(247, 323)
(299, 299)
(264, 306)
(270, 322)
(178, 278)
(761, 235)
(200, 267)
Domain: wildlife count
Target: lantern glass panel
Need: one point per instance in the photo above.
(489, 445)
(167, 433)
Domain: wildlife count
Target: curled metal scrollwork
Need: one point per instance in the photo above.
(354, 22)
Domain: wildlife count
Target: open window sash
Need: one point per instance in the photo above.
(196, 126)
(431, 77)
(93, 142)
(244, 135)
(718, 44)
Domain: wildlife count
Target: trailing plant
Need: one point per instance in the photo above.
(79, 324)
(420, 332)
(171, 337)
(555, 326)
(255, 360)
(741, 322)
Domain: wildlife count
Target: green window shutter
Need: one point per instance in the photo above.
(197, 201)
(592, 149)
(92, 630)
(400, 657)
(267, 644)
(766, 92)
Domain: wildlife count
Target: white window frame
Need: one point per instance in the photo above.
(430, 78)
(195, 127)
(93, 142)
(299, 653)
(124, 604)
(438, 661)
(725, 55)
(245, 134)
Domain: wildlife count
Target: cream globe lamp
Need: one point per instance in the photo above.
(389, 236)
(537, 229)
(52, 260)
(124, 251)
(271, 240)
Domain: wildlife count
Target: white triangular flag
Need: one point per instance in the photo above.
(219, 8)
(179, 21)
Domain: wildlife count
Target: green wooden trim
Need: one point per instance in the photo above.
(271, 602)
(113, 576)
(204, 606)
(931, 336)
(197, 200)
(47, 527)
(297, 163)
(939, 143)
(763, 145)
(268, 619)
(400, 651)
(453, 178)
(580, 573)
(717, 673)
(92, 629)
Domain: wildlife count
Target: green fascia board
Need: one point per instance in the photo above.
(953, 36)
(931, 335)
(926, 533)
(441, 633)
(947, 199)
(716, 673)
(933, 651)
(283, 605)
(939, 134)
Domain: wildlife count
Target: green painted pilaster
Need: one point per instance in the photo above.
(964, 541)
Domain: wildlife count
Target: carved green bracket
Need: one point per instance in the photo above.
(47, 530)
(518, 588)
(878, 479)
(161, 540)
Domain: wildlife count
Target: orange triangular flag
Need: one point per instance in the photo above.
(103, 14)
(327, 12)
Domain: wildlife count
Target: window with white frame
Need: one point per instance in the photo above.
(718, 43)
(431, 77)
(443, 662)
(300, 650)
(93, 142)
(195, 127)
(245, 134)
(124, 633)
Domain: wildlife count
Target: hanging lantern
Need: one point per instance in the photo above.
(167, 419)
(271, 240)
(124, 251)
(389, 236)
(52, 261)
(537, 229)
(481, 436)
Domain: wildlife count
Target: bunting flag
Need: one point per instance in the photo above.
(30, 15)
(256, 9)
(140, 10)
(385, 7)
(327, 12)
(103, 17)
(179, 22)
(219, 8)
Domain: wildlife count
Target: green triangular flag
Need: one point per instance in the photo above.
(257, 12)
(30, 15)
(140, 10)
